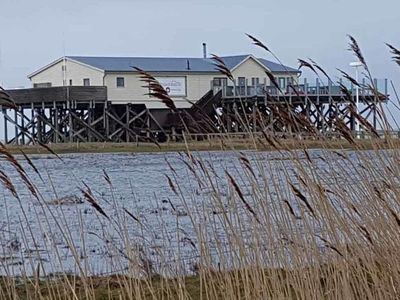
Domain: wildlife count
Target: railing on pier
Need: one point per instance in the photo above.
(304, 89)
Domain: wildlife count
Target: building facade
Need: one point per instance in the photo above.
(186, 79)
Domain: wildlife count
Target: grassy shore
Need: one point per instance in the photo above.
(252, 283)
(213, 145)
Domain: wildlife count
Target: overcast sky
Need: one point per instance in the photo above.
(34, 33)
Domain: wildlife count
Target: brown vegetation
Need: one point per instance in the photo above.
(321, 227)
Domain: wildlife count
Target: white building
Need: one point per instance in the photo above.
(184, 78)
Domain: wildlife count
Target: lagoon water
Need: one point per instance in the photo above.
(135, 194)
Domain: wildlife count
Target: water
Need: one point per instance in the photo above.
(139, 204)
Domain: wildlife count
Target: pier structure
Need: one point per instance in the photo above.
(77, 114)
(85, 114)
(259, 107)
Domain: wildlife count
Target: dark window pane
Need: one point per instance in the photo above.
(255, 81)
(220, 81)
(42, 85)
(217, 82)
(120, 82)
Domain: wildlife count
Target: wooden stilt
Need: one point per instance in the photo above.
(16, 141)
(5, 126)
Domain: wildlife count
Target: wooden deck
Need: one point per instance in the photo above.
(301, 93)
(28, 98)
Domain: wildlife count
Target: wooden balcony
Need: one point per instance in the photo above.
(319, 93)
(34, 97)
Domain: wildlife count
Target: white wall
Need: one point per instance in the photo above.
(75, 71)
(251, 68)
(197, 85)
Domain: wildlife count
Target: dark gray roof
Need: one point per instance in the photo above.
(275, 67)
(169, 64)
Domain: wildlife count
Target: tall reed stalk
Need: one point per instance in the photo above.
(284, 224)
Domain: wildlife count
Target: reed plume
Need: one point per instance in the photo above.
(395, 52)
(221, 67)
(156, 89)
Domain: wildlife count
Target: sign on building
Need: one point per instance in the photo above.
(175, 86)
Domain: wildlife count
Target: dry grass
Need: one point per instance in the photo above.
(315, 235)
(305, 225)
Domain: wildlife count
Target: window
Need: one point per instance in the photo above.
(120, 82)
(282, 82)
(70, 82)
(86, 82)
(242, 86)
(241, 81)
(219, 81)
(255, 81)
(42, 85)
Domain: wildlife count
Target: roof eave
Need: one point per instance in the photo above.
(84, 64)
(59, 60)
(287, 72)
(164, 71)
(45, 67)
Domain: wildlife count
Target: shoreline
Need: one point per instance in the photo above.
(215, 145)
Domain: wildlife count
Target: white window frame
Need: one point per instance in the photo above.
(123, 82)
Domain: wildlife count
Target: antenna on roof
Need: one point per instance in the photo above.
(64, 65)
(65, 69)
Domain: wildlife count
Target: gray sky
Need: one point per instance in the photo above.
(33, 33)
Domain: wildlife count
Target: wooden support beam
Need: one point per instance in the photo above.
(44, 120)
(5, 125)
(32, 118)
(22, 130)
(254, 117)
(111, 116)
(155, 121)
(93, 124)
(89, 127)
(23, 125)
(16, 126)
(55, 121)
(127, 122)
(70, 121)
(136, 117)
(90, 119)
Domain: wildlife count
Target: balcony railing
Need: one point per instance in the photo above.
(305, 89)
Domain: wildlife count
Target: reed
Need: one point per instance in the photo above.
(288, 224)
